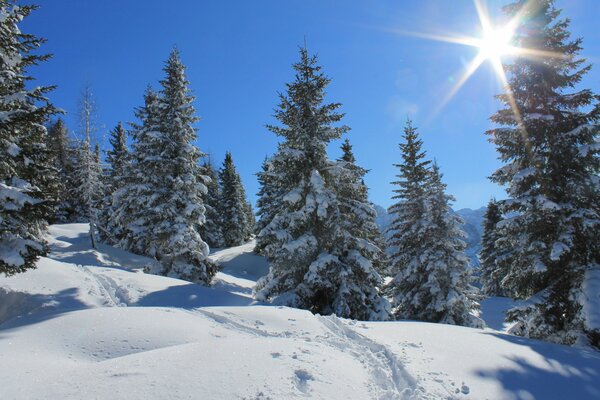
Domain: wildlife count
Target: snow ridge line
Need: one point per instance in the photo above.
(390, 380)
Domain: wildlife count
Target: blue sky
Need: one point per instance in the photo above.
(239, 55)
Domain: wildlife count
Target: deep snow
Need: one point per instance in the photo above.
(90, 324)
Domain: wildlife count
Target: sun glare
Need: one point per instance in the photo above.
(495, 42)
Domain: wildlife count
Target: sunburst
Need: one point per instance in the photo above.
(495, 43)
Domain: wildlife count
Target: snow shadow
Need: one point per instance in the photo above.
(231, 287)
(493, 311)
(77, 250)
(21, 308)
(246, 265)
(567, 373)
(192, 296)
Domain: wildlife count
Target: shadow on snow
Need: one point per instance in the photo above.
(567, 373)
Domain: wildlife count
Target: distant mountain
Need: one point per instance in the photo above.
(473, 227)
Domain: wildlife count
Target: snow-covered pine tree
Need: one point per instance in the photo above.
(87, 190)
(134, 213)
(23, 113)
(250, 218)
(211, 230)
(161, 208)
(233, 207)
(117, 159)
(430, 270)
(269, 198)
(491, 275)
(549, 144)
(61, 154)
(407, 230)
(453, 300)
(359, 211)
(316, 263)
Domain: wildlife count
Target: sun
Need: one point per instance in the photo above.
(496, 42)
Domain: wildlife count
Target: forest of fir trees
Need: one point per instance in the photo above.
(155, 193)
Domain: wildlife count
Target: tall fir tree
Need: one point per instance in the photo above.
(165, 179)
(87, 187)
(407, 229)
(316, 262)
(61, 154)
(549, 144)
(491, 275)
(236, 223)
(133, 212)
(359, 212)
(25, 167)
(250, 218)
(269, 199)
(117, 159)
(430, 270)
(211, 231)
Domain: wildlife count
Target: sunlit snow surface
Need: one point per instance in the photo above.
(89, 324)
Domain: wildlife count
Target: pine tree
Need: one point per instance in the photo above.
(23, 154)
(407, 230)
(316, 262)
(134, 214)
(491, 275)
(211, 231)
(87, 187)
(61, 155)
(234, 209)
(357, 208)
(114, 178)
(549, 143)
(165, 180)
(430, 270)
(269, 199)
(250, 219)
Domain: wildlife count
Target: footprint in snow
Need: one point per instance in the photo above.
(301, 378)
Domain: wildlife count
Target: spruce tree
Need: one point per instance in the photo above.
(236, 222)
(133, 212)
(407, 232)
(117, 159)
(161, 207)
(548, 140)
(87, 188)
(250, 219)
(315, 261)
(491, 275)
(269, 199)
(23, 155)
(211, 231)
(61, 155)
(358, 210)
(430, 270)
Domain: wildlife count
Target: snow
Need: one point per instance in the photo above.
(89, 324)
(591, 297)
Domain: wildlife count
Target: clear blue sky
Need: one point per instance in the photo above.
(239, 55)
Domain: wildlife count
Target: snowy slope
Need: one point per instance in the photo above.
(89, 324)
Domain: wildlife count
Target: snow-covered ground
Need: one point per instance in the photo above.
(90, 324)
